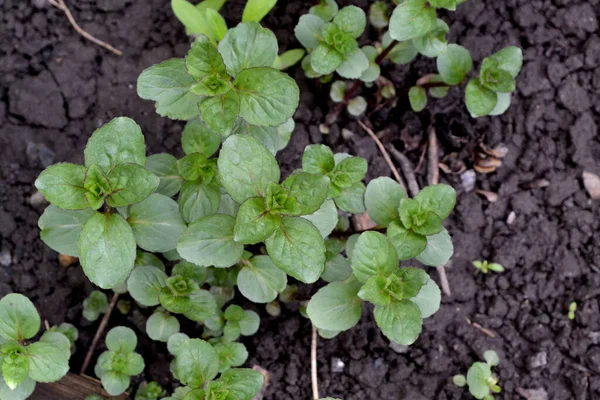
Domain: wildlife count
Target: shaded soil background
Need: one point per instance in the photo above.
(56, 88)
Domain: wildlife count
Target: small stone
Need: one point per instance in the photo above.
(324, 129)
(511, 218)
(533, 394)
(347, 134)
(399, 348)
(337, 365)
(468, 180)
(538, 360)
(592, 184)
(594, 337)
(273, 309)
(575, 98)
(5, 258)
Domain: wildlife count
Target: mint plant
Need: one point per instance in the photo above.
(161, 325)
(149, 391)
(485, 266)
(69, 330)
(572, 309)
(23, 361)
(94, 305)
(120, 362)
(235, 321)
(481, 381)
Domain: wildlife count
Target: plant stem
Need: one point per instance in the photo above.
(99, 332)
(313, 364)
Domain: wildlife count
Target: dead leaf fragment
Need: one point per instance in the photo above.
(267, 377)
(66, 261)
(592, 184)
(490, 196)
(499, 151)
(535, 184)
(363, 222)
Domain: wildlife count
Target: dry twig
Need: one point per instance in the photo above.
(99, 332)
(384, 152)
(61, 5)
(407, 170)
(481, 328)
(313, 364)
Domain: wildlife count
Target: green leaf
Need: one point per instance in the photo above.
(131, 183)
(502, 104)
(194, 17)
(161, 325)
(197, 137)
(94, 305)
(325, 219)
(491, 358)
(260, 280)
(308, 190)
(498, 80)
(318, 159)
(297, 248)
(146, 259)
(220, 112)
(256, 10)
(198, 200)
(447, 4)
(164, 166)
(379, 14)
(382, 198)
(439, 199)
(411, 19)
(204, 60)
(477, 379)
(438, 251)
(438, 92)
(418, 98)
(62, 185)
(288, 59)
(373, 254)
(337, 94)
(47, 363)
(402, 52)
(21, 392)
(115, 383)
(400, 321)
(405, 283)
(168, 84)
(354, 65)
(175, 342)
(373, 70)
(351, 20)
(97, 186)
(107, 249)
(15, 365)
(230, 355)
(121, 340)
(236, 384)
(145, 283)
(60, 229)
(209, 242)
(335, 307)
(19, 318)
(325, 59)
(202, 306)
(117, 142)
(510, 59)
(216, 25)
(174, 303)
(246, 46)
(308, 30)
(407, 243)
(326, 9)
(267, 97)
(454, 64)
(434, 42)
(246, 168)
(254, 223)
(249, 323)
(352, 199)
(197, 363)
(374, 291)
(480, 100)
(59, 340)
(273, 138)
(156, 223)
(134, 364)
(190, 167)
(357, 106)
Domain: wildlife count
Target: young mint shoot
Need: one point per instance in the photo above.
(482, 383)
(485, 266)
(94, 305)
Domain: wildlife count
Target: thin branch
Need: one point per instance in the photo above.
(61, 5)
(313, 364)
(407, 170)
(433, 178)
(384, 152)
(99, 332)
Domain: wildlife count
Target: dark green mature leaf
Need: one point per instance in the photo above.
(156, 223)
(336, 269)
(268, 97)
(326, 9)
(454, 64)
(197, 137)
(209, 242)
(131, 183)
(373, 254)
(238, 383)
(382, 199)
(107, 249)
(202, 306)
(374, 291)
(19, 319)
(256, 10)
(325, 59)
(47, 363)
(246, 168)
(145, 283)
(164, 166)
(480, 100)
(336, 307)
(198, 200)
(260, 280)
(351, 20)
(438, 251)
(439, 199)
(247, 46)
(411, 19)
(297, 248)
(219, 112)
(498, 80)
(191, 271)
(407, 243)
(197, 363)
(352, 199)
(400, 321)
(308, 30)
(60, 229)
(168, 84)
(62, 185)
(405, 283)
(308, 190)
(203, 59)
(318, 159)
(190, 167)
(254, 223)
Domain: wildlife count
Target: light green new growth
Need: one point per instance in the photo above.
(572, 309)
(485, 266)
(149, 391)
(481, 381)
(94, 305)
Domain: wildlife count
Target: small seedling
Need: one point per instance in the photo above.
(149, 391)
(25, 362)
(94, 305)
(120, 362)
(572, 309)
(231, 354)
(485, 266)
(235, 321)
(482, 383)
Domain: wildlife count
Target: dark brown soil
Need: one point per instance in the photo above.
(56, 88)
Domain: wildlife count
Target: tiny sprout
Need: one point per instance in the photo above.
(273, 309)
(95, 304)
(481, 381)
(149, 391)
(485, 266)
(459, 380)
(288, 294)
(572, 309)
(357, 106)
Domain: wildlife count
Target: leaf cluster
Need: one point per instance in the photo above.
(481, 381)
